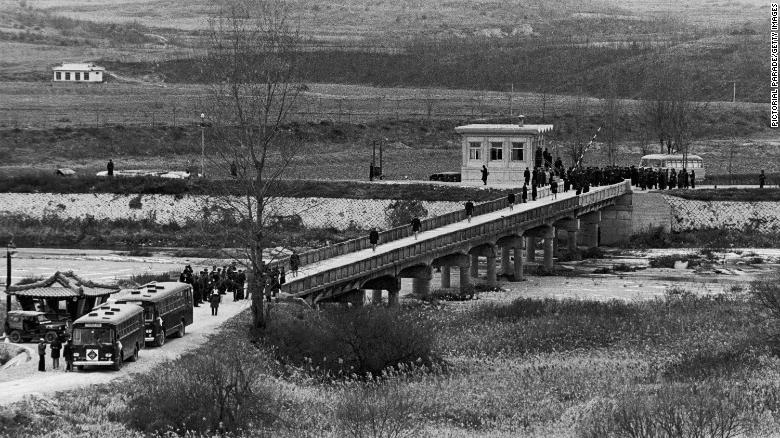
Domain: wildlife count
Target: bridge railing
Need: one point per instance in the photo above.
(604, 193)
(397, 233)
(375, 262)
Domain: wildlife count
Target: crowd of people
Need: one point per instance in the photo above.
(210, 286)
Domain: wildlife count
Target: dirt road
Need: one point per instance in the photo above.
(25, 380)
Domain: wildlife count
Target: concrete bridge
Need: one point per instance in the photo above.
(505, 238)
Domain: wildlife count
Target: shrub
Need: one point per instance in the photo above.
(766, 293)
(668, 261)
(342, 341)
(469, 293)
(136, 280)
(671, 411)
(197, 392)
(402, 212)
(390, 408)
(593, 253)
(135, 203)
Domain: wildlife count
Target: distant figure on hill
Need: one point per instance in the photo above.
(485, 174)
(761, 179)
(110, 167)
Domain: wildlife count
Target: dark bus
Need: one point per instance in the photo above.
(167, 308)
(108, 335)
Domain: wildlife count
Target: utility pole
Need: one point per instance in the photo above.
(734, 93)
(9, 251)
(202, 144)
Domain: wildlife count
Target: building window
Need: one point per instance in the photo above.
(78, 76)
(58, 76)
(86, 75)
(475, 150)
(67, 76)
(496, 151)
(517, 151)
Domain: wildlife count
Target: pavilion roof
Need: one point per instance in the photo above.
(63, 285)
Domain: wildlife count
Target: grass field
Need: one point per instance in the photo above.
(531, 366)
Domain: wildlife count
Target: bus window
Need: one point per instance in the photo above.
(92, 336)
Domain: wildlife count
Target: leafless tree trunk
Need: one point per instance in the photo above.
(611, 109)
(252, 61)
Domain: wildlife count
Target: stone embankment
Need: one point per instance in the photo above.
(339, 213)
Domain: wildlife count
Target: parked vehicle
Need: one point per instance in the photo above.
(27, 325)
(676, 162)
(108, 335)
(167, 308)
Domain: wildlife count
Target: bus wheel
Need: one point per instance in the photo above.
(118, 363)
(50, 337)
(161, 338)
(182, 331)
(15, 336)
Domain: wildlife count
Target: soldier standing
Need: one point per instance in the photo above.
(485, 174)
(533, 192)
(295, 262)
(416, 225)
(510, 199)
(67, 353)
(41, 355)
(373, 238)
(469, 210)
(527, 176)
(761, 179)
(56, 346)
(525, 193)
(110, 167)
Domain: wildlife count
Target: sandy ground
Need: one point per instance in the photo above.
(24, 380)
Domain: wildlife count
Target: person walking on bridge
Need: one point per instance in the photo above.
(510, 199)
(373, 237)
(525, 193)
(295, 263)
(416, 225)
(527, 176)
(469, 210)
(554, 188)
(533, 192)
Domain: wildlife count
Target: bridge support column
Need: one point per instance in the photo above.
(392, 297)
(590, 234)
(474, 265)
(555, 242)
(505, 260)
(572, 241)
(530, 248)
(445, 277)
(518, 267)
(421, 286)
(376, 296)
(491, 270)
(355, 297)
(465, 278)
(548, 250)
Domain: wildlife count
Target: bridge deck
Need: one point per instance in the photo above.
(382, 248)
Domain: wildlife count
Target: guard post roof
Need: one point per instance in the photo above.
(110, 313)
(505, 129)
(151, 292)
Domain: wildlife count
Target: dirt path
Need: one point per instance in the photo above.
(25, 380)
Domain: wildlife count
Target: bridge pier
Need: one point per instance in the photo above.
(355, 297)
(474, 265)
(376, 296)
(491, 269)
(590, 234)
(549, 242)
(505, 262)
(445, 277)
(518, 265)
(465, 278)
(421, 286)
(530, 248)
(392, 297)
(555, 242)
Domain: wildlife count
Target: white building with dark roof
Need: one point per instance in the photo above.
(82, 72)
(505, 149)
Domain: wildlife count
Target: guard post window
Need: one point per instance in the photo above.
(517, 151)
(475, 150)
(496, 151)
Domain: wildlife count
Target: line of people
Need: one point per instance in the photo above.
(662, 179)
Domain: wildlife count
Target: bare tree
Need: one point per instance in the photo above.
(252, 63)
(611, 108)
(579, 131)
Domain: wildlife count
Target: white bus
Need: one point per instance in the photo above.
(674, 161)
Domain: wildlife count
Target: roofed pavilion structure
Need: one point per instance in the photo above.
(78, 294)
